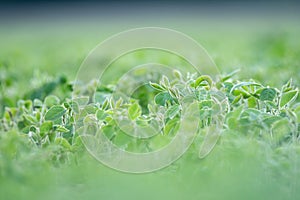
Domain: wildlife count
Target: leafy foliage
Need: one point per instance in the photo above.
(246, 107)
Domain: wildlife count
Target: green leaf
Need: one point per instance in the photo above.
(177, 74)
(101, 114)
(25, 129)
(90, 109)
(134, 111)
(28, 119)
(46, 127)
(271, 104)
(244, 84)
(267, 94)
(82, 101)
(238, 92)
(10, 113)
(232, 123)
(37, 103)
(171, 127)
(109, 131)
(89, 119)
(251, 114)
(202, 78)
(63, 142)
(252, 102)
(288, 97)
(60, 128)
(235, 114)
(157, 86)
(55, 112)
(271, 120)
(237, 99)
(172, 111)
(105, 104)
(28, 104)
(227, 86)
(162, 97)
(75, 107)
(100, 97)
(51, 100)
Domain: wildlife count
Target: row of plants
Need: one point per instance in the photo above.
(246, 107)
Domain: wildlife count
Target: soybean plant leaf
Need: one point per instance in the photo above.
(244, 84)
(81, 101)
(157, 86)
(201, 79)
(228, 86)
(271, 104)
(28, 119)
(171, 127)
(37, 103)
(232, 123)
(28, 104)
(258, 92)
(177, 74)
(267, 94)
(134, 111)
(63, 142)
(90, 109)
(75, 107)
(46, 126)
(162, 97)
(60, 128)
(172, 111)
(100, 97)
(251, 114)
(25, 129)
(237, 99)
(288, 97)
(238, 92)
(54, 113)
(252, 102)
(271, 120)
(101, 114)
(51, 100)
(109, 131)
(235, 114)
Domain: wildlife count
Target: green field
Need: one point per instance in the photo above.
(38, 59)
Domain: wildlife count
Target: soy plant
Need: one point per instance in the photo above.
(46, 123)
(247, 107)
(264, 111)
(144, 124)
(124, 123)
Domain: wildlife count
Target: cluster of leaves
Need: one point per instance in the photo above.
(246, 107)
(45, 124)
(265, 111)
